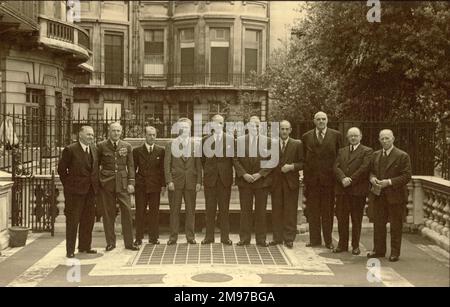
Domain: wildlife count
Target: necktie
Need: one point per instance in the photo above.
(283, 147)
(352, 148)
(150, 149)
(115, 145)
(88, 156)
(320, 137)
(383, 164)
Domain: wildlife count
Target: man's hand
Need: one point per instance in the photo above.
(171, 186)
(130, 189)
(374, 181)
(384, 183)
(256, 176)
(198, 187)
(249, 178)
(346, 182)
(287, 168)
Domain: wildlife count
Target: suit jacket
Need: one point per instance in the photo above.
(116, 166)
(186, 172)
(218, 168)
(320, 158)
(149, 168)
(293, 154)
(356, 166)
(398, 170)
(75, 172)
(251, 165)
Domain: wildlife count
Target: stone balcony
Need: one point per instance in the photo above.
(64, 37)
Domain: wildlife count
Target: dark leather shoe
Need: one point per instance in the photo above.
(329, 246)
(273, 243)
(154, 242)
(374, 255)
(262, 244)
(88, 251)
(339, 250)
(70, 255)
(289, 244)
(192, 241)
(207, 241)
(227, 242)
(138, 242)
(312, 245)
(242, 243)
(393, 258)
(109, 248)
(171, 242)
(356, 251)
(132, 248)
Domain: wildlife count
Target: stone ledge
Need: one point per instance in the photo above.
(440, 240)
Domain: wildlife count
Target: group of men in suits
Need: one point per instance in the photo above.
(113, 170)
(349, 175)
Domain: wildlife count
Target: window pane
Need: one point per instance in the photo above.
(80, 110)
(187, 65)
(114, 59)
(112, 110)
(187, 35)
(251, 61)
(219, 65)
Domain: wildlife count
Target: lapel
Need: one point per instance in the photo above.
(93, 154)
(355, 154)
(83, 154)
(391, 158)
(110, 145)
(377, 163)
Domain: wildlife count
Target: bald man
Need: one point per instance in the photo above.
(352, 186)
(117, 176)
(390, 172)
(320, 148)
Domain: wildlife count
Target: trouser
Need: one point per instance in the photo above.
(80, 217)
(346, 206)
(151, 201)
(385, 212)
(246, 196)
(284, 212)
(189, 197)
(320, 207)
(217, 196)
(109, 201)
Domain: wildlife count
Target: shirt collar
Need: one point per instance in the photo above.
(112, 142)
(324, 131)
(285, 141)
(354, 146)
(84, 146)
(389, 150)
(149, 146)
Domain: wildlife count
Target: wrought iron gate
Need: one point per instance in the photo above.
(34, 202)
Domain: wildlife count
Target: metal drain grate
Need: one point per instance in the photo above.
(215, 253)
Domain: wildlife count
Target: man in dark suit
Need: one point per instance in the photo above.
(285, 187)
(183, 173)
(390, 172)
(150, 183)
(254, 181)
(117, 183)
(320, 148)
(78, 171)
(218, 150)
(352, 174)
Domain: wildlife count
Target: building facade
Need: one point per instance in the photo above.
(156, 61)
(41, 51)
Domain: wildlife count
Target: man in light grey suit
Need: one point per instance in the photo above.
(183, 173)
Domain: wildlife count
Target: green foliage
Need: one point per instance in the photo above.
(350, 68)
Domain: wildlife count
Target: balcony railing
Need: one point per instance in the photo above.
(168, 80)
(64, 37)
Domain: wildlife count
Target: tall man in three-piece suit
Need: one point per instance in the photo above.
(390, 172)
(285, 187)
(352, 186)
(320, 148)
(78, 171)
(218, 150)
(183, 173)
(150, 183)
(254, 181)
(117, 183)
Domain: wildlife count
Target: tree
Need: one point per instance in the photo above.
(350, 68)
